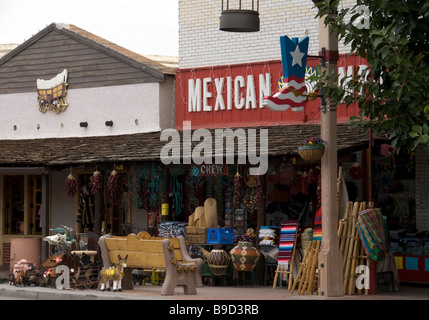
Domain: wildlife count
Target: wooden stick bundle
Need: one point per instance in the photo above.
(351, 246)
(307, 274)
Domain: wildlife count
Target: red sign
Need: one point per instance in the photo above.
(232, 96)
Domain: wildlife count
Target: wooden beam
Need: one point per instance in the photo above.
(45, 214)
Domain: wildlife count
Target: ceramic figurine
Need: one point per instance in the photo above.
(114, 274)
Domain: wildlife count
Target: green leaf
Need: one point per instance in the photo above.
(385, 51)
(376, 42)
(417, 128)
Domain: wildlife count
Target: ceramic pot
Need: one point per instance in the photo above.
(218, 261)
(244, 256)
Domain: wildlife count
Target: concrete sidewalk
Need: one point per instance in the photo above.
(237, 293)
(153, 292)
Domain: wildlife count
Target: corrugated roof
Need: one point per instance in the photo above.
(283, 140)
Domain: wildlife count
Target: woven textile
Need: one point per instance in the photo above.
(287, 240)
(370, 226)
(317, 225)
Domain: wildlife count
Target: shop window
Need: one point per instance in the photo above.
(22, 217)
(36, 204)
(14, 204)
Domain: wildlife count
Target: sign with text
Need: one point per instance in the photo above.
(233, 96)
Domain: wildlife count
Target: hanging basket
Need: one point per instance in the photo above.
(311, 153)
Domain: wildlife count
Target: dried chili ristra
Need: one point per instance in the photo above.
(70, 185)
(96, 183)
(238, 191)
(114, 185)
(259, 190)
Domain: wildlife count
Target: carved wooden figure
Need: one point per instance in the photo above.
(114, 274)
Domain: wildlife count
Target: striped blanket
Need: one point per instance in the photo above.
(372, 231)
(317, 225)
(287, 240)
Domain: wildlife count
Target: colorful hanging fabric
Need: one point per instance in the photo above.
(371, 229)
(317, 225)
(288, 231)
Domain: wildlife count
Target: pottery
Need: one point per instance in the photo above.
(218, 261)
(244, 256)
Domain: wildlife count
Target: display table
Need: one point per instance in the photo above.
(412, 268)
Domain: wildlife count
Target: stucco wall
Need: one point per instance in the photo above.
(21, 118)
(63, 207)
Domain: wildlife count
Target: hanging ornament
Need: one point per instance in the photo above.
(114, 185)
(70, 186)
(356, 171)
(96, 183)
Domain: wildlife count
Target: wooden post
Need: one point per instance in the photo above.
(98, 202)
(260, 220)
(330, 261)
(45, 214)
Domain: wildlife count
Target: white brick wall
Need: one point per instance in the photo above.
(422, 189)
(202, 44)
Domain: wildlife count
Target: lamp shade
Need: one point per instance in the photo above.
(235, 18)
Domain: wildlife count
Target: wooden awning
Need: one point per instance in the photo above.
(283, 140)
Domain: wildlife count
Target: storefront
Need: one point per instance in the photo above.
(80, 105)
(223, 98)
(223, 77)
(94, 162)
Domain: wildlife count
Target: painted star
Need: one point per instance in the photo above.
(297, 56)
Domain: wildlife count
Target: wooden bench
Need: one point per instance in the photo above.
(144, 253)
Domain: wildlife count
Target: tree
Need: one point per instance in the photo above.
(392, 93)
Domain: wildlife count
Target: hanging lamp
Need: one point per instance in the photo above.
(236, 17)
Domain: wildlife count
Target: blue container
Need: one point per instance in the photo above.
(220, 236)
